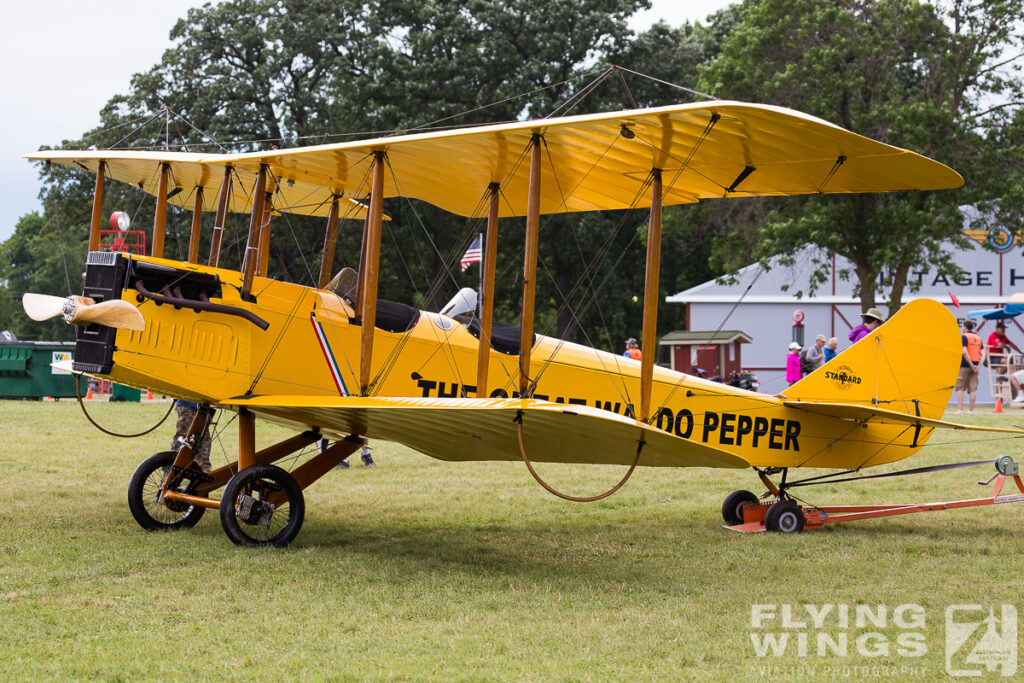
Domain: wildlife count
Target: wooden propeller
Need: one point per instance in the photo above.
(81, 310)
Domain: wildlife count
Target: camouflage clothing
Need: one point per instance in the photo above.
(185, 416)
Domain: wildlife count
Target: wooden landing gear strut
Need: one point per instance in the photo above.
(261, 504)
(778, 510)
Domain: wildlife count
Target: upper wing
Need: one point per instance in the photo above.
(705, 150)
(486, 429)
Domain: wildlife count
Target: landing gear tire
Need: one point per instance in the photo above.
(732, 508)
(249, 516)
(149, 511)
(785, 517)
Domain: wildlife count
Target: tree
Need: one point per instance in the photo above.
(900, 71)
(42, 258)
(260, 73)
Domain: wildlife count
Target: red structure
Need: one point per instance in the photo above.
(716, 353)
(133, 241)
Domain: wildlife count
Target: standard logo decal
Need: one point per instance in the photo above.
(843, 377)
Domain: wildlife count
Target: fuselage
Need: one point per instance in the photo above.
(311, 347)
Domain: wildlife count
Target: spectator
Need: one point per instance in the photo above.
(830, 350)
(812, 357)
(1015, 381)
(871, 318)
(1000, 345)
(364, 453)
(793, 364)
(632, 349)
(186, 413)
(970, 362)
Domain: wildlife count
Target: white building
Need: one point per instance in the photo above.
(767, 311)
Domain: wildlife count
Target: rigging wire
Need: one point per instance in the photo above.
(137, 129)
(63, 255)
(571, 102)
(668, 83)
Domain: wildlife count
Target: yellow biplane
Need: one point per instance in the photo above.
(336, 361)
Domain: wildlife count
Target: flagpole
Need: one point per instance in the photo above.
(480, 290)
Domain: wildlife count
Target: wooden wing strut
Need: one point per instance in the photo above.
(218, 222)
(330, 238)
(160, 217)
(487, 292)
(197, 224)
(650, 329)
(369, 275)
(251, 258)
(530, 266)
(97, 210)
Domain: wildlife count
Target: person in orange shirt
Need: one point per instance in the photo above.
(970, 363)
(632, 349)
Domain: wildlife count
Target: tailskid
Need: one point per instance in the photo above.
(778, 511)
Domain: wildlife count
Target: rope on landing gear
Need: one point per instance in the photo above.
(563, 496)
(78, 391)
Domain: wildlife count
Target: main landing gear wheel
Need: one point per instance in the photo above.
(786, 517)
(247, 512)
(732, 508)
(149, 511)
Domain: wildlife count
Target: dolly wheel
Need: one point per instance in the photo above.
(144, 501)
(732, 508)
(786, 517)
(253, 511)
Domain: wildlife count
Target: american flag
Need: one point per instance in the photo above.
(472, 254)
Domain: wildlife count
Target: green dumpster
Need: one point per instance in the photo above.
(25, 370)
(120, 392)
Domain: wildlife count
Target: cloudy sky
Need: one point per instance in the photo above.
(61, 60)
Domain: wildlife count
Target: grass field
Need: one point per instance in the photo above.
(419, 569)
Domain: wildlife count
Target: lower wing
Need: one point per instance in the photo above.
(487, 429)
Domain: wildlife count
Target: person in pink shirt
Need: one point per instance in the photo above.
(793, 364)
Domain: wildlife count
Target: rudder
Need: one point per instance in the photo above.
(908, 364)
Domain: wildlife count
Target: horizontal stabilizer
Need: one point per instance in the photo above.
(486, 429)
(855, 412)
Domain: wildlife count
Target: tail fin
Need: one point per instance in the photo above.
(908, 364)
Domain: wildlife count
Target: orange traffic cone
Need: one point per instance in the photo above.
(88, 394)
(149, 395)
(999, 405)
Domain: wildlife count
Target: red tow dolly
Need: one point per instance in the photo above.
(777, 510)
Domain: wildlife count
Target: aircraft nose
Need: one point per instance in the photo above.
(80, 310)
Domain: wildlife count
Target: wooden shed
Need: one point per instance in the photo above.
(716, 353)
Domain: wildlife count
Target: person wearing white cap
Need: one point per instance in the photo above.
(813, 357)
(793, 364)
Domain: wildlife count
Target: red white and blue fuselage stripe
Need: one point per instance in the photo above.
(325, 347)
